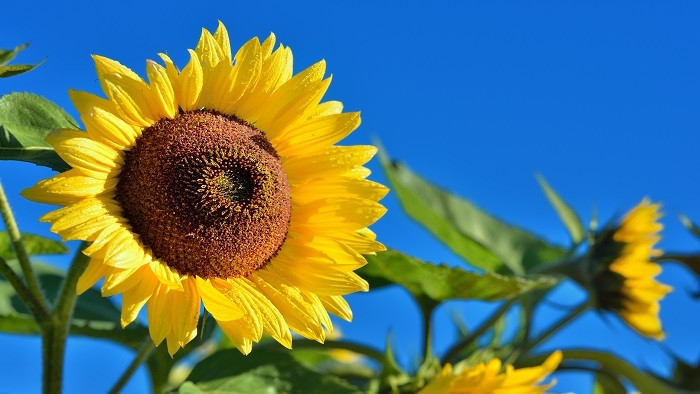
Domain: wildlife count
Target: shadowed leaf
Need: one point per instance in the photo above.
(263, 371)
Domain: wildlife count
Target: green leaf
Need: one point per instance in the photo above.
(644, 382)
(692, 261)
(16, 69)
(607, 384)
(481, 239)
(263, 371)
(686, 375)
(690, 225)
(25, 120)
(94, 315)
(8, 54)
(34, 244)
(441, 282)
(567, 215)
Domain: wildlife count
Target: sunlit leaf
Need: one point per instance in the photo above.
(263, 371)
(17, 69)
(567, 215)
(25, 119)
(644, 382)
(481, 239)
(6, 55)
(441, 282)
(34, 245)
(606, 384)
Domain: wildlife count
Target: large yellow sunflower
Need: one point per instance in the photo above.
(626, 282)
(490, 378)
(218, 184)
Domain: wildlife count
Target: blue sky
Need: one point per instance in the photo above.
(603, 98)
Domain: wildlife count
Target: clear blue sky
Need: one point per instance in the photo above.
(601, 97)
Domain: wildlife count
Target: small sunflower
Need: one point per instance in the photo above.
(488, 378)
(625, 283)
(218, 184)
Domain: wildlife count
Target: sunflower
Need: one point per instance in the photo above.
(487, 378)
(218, 184)
(625, 283)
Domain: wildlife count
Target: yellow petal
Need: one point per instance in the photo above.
(94, 271)
(331, 215)
(89, 157)
(190, 83)
(317, 134)
(208, 50)
(221, 37)
(185, 312)
(159, 314)
(221, 307)
(335, 160)
(67, 188)
(161, 90)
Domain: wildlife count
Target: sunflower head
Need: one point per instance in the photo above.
(623, 271)
(219, 183)
(491, 377)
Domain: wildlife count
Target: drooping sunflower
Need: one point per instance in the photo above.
(624, 271)
(489, 378)
(218, 184)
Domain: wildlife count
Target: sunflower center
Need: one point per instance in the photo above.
(207, 194)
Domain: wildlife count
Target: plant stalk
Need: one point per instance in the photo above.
(555, 327)
(40, 313)
(16, 238)
(144, 351)
(56, 334)
(455, 350)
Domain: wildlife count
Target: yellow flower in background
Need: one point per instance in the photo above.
(218, 184)
(485, 378)
(627, 285)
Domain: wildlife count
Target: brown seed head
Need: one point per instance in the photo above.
(207, 194)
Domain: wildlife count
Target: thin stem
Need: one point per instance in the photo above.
(40, 313)
(55, 336)
(141, 356)
(454, 352)
(15, 236)
(426, 314)
(351, 346)
(555, 327)
(65, 302)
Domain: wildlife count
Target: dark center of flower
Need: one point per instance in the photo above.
(207, 194)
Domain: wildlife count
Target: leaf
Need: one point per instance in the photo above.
(34, 244)
(441, 282)
(25, 119)
(263, 371)
(478, 237)
(692, 261)
(686, 375)
(644, 382)
(8, 54)
(606, 384)
(688, 224)
(567, 215)
(16, 69)
(94, 315)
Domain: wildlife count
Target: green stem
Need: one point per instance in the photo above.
(351, 346)
(426, 314)
(40, 313)
(16, 238)
(55, 335)
(455, 350)
(141, 356)
(555, 327)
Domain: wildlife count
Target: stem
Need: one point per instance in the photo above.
(40, 313)
(143, 353)
(65, 302)
(16, 238)
(426, 313)
(55, 335)
(454, 352)
(555, 327)
(353, 347)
